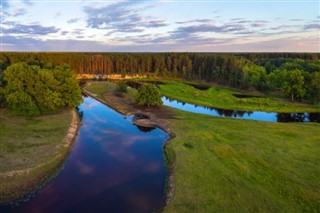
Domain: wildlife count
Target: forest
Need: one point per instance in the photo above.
(296, 75)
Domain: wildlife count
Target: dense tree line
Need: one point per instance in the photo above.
(260, 71)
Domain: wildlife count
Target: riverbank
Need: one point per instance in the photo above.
(125, 105)
(223, 98)
(228, 165)
(33, 150)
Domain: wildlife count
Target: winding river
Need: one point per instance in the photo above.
(116, 166)
(250, 115)
(113, 167)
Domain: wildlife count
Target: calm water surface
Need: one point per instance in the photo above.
(114, 167)
(255, 115)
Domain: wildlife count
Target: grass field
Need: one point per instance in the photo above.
(229, 165)
(223, 98)
(30, 150)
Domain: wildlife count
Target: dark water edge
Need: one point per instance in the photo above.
(249, 115)
(115, 166)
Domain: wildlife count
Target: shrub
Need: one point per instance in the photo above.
(121, 87)
(148, 95)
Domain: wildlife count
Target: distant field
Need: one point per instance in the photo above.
(223, 98)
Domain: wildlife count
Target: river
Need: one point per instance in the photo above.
(113, 167)
(249, 115)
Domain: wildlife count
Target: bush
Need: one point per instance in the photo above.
(121, 87)
(148, 95)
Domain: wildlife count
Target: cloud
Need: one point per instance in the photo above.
(194, 21)
(64, 32)
(73, 20)
(280, 27)
(19, 12)
(31, 29)
(296, 19)
(155, 23)
(296, 44)
(120, 17)
(28, 2)
(58, 14)
(312, 26)
(260, 23)
(204, 28)
(4, 4)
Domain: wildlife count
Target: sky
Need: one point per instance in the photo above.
(160, 25)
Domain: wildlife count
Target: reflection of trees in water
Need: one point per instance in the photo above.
(292, 117)
(281, 117)
(298, 117)
(80, 113)
(314, 117)
(220, 112)
(231, 113)
(145, 129)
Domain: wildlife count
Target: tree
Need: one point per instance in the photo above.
(31, 90)
(123, 73)
(148, 95)
(2, 86)
(313, 88)
(254, 77)
(121, 87)
(184, 72)
(293, 86)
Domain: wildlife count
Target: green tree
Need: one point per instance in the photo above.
(123, 73)
(313, 88)
(121, 87)
(156, 73)
(31, 90)
(184, 72)
(68, 86)
(254, 76)
(2, 86)
(293, 85)
(175, 72)
(148, 95)
(277, 78)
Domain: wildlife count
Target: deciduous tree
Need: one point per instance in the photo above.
(148, 95)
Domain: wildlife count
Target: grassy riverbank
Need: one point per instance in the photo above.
(230, 165)
(223, 98)
(32, 149)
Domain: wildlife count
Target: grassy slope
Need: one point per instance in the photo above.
(100, 88)
(229, 165)
(27, 143)
(223, 98)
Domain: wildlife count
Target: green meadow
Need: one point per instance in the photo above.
(230, 165)
(220, 97)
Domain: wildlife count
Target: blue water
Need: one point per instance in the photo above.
(113, 167)
(255, 115)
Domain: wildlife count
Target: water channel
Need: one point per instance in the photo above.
(116, 166)
(250, 115)
(113, 167)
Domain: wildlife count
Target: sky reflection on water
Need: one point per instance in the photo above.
(250, 115)
(113, 167)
